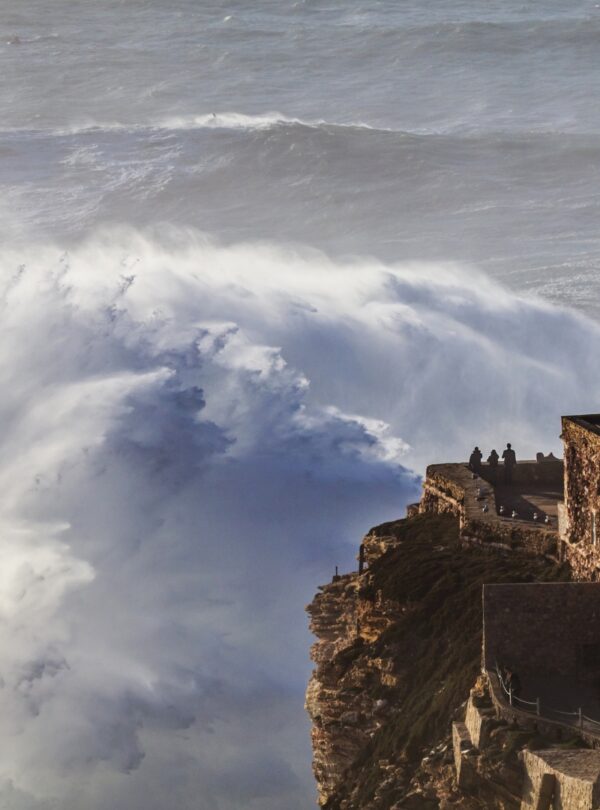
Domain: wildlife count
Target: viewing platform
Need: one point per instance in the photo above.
(522, 515)
(550, 507)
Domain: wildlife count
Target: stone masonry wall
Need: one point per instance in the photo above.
(541, 627)
(582, 498)
(477, 721)
(462, 747)
(584, 561)
(561, 780)
(451, 489)
(582, 479)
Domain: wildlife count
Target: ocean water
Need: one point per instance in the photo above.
(259, 264)
(391, 130)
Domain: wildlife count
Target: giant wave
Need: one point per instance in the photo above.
(194, 436)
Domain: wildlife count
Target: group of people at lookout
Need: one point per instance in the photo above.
(509, 459)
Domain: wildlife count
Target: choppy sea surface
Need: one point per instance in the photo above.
(448, 130)
(259, 264)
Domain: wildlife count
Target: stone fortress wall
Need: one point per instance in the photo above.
(549, 633)
(580, 536)
(573, 531)
(544, 632)
(542, 628)
(452, 489)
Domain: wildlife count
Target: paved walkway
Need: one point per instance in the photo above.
(552, 710)
(527, 499)
(537, 487)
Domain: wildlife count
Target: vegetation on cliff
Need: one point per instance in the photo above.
(429, 586)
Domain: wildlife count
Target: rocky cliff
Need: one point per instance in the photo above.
(397, 654)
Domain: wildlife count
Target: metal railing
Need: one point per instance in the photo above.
(578, 717)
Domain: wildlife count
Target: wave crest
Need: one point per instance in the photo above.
(209, 430)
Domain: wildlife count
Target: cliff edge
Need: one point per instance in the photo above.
(397, 655)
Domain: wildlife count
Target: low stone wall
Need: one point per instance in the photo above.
(477, 720)
(462, 747)
(551, 729)
(513, 535)
(561, 780)
(553, 779)
(545, 473)
(451, 489)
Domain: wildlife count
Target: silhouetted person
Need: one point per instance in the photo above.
(475, 460)
(510, 459)
(513, 683)
(492, 460)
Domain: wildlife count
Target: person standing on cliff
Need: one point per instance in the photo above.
(510, 459)
(475, 460)
(492, 461)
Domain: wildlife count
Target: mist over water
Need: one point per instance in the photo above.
(259, 264)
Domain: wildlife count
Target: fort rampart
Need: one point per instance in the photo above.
(580, 529)
(452, 488)
(550, 628)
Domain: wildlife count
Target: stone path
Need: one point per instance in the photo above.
(527, 499)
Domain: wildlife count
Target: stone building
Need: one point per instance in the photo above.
(549, 632)
(579, 516)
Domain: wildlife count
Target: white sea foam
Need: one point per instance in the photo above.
(223, 120)
(231, 120)
(194, 436)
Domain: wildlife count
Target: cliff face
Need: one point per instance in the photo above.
(398, 650)
(346, 694)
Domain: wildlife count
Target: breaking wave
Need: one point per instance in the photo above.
(194, 436)
(225, 120)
